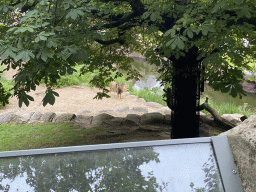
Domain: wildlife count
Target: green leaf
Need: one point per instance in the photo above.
(153, 16)
(180, 43)
(225, 89)
(190, 34)
(58, 28)
(66, 6)
(184, 38)
(177, 56)
(196, 30)
(45, 54)
(24, 98)
(167, 52)
(30, 29)
(248, 14)
(30, 98)
(169, 14)
(24, 56)
(204, 30)
(11, 29)
(167, 33)
(8, 52)
(55, 93)
(49, 98)
(217, 6)
(182, 54)
(173, 46)
(171, 41)
(37, 39)
(145, 15)
(80, 55)
(238, 2)
(74, 13)
(20, 101)
(45, 24)
(233, 92)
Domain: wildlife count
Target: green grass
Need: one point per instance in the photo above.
(19, 137)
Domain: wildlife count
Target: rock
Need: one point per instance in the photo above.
(167, 119)
(9, 118)
(47, 117)
(136, 116)
(82, 120)
(248, 87)
(132, 96)
(234, 118)
(131, 119)
(165, 110)
(242, 141)
(35, 116)
(115, 121)
(84, 112)
(153, 104)
(152, 118)
(61, 117)
(139, 110)
(124, 109)
(110, 112)
(142, 100)
(101, 119)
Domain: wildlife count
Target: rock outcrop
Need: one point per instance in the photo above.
(242, 141)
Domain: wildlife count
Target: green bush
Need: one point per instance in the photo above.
(5, 93)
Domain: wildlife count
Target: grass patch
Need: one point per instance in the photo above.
(43, 135)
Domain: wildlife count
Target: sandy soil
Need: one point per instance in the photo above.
(71, 99)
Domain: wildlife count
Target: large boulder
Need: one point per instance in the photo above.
(242, 141)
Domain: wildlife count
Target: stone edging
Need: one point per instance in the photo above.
(154, 118)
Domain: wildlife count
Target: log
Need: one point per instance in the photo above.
(217, 118)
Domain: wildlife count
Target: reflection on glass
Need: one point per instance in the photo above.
(173, 168)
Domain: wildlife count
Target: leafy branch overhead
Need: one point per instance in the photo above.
(52, 36)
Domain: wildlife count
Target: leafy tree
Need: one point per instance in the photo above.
(195, 35)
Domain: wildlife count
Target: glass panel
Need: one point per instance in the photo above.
(161, 168)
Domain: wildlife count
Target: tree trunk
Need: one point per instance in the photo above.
(185, 96)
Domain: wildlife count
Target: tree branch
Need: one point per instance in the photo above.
(205, 106)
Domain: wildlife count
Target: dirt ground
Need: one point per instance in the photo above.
(72, 99)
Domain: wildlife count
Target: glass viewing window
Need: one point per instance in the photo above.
(163, 165)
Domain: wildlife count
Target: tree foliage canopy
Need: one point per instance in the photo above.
(52, 36)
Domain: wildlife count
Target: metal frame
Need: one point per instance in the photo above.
(225, 162)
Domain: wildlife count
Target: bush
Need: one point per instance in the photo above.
(4, 94)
